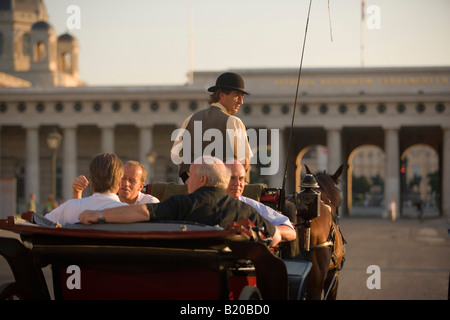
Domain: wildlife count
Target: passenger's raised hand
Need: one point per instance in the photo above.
(78, 185)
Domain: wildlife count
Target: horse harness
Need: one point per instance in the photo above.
(329, 243)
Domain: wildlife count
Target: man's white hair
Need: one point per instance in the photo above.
(217, 174)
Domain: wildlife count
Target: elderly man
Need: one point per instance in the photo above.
(235, 189)
(131, 184)
(225, 100)
(207, 203)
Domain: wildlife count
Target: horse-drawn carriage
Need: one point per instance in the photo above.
(146, 261)
(170, 260)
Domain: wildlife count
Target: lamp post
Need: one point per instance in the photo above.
(53, 143)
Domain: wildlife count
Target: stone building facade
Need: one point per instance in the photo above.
(341, 109)
(338, 109)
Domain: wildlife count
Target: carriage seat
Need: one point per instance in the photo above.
(163, 190)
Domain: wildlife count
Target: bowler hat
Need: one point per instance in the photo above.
(230, 81)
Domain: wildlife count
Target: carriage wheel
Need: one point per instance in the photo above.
(250, 293)
(10, 291)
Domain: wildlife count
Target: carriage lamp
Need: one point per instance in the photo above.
(308, 205)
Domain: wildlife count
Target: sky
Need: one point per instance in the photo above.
(157, 42)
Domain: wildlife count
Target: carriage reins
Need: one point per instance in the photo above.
(283, 186)
(332, 234)
(330, 242)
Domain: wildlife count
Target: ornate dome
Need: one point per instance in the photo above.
(41, 25)
(36, 7)
(66, 38)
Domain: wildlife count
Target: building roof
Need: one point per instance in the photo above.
(9, 81)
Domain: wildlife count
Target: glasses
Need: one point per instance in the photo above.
(240, 179)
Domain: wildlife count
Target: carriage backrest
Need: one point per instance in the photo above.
(163, 190)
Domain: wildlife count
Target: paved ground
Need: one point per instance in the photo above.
(413, 259)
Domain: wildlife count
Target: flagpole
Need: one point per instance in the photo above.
(191, 50)
(362, 33)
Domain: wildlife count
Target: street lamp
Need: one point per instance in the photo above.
(53, 143)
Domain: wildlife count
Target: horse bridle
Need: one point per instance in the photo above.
(329, 243)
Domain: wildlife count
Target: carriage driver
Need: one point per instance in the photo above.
(225, 100)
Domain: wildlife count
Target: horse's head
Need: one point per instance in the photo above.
(330, 193)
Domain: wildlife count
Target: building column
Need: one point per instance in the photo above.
(145, 146)
(107, 139)
(69, 167)
(276, 180)
(334, 146)
(32, 177)
(445, 189)
(392, 179)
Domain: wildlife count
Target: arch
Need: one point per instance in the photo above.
(420, 180)
(366, 164)
(65, 62)
(315, 157)
(40, 51)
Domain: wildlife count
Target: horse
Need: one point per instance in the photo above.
(327, 245)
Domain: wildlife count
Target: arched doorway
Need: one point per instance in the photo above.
(420, 181)
(365, 181)
(40, 52)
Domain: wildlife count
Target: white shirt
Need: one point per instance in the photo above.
(69, 211)
(146, 198)
(267, 212)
